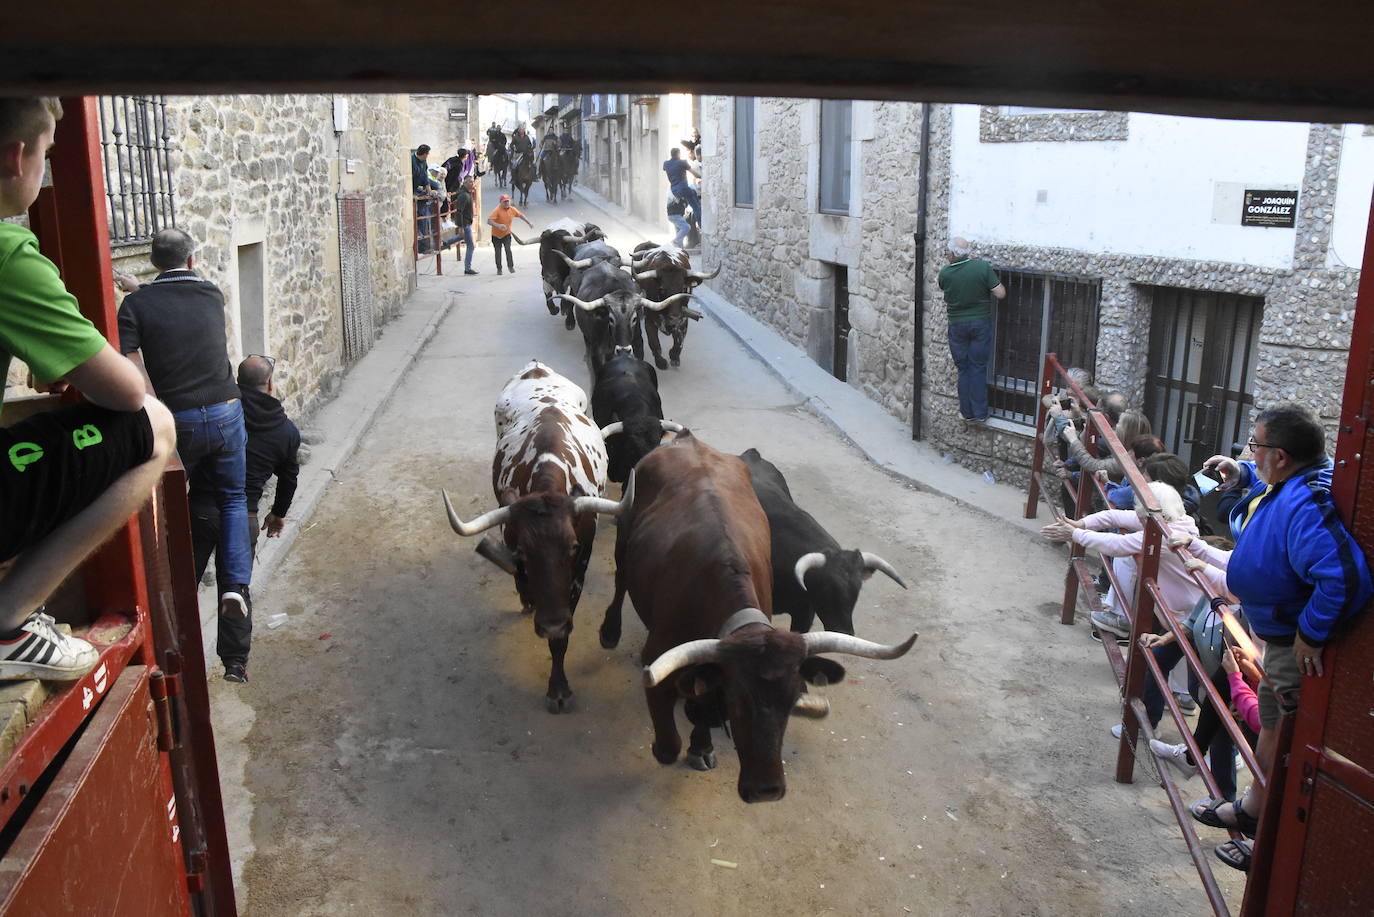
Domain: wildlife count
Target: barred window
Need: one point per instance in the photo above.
(136, 150)
(1043, 313)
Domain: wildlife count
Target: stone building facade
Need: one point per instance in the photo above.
(445, 122)
(787, 261)
(258, 181)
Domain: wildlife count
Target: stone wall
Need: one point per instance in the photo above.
(265, 171)
(782, 252)
(779, 256)
(430, 123)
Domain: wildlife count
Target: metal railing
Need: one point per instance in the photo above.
(135, 148)
(427, 227)
(1147, 608)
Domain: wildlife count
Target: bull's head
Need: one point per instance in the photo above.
(662, 276)
(832, 580)
(546, 537)
(621, 310)
(757, 672)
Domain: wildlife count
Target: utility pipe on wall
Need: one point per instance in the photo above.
(918, 359)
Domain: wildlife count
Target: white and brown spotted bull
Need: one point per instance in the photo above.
(663, 271)
(548, 475)
(692, 551)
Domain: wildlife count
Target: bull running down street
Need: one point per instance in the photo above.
(407, 764)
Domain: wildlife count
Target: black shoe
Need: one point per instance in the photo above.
(470, 271)
(236, 602)
(237, 673)
(511, 268)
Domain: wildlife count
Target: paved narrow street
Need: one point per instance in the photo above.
(392, 754)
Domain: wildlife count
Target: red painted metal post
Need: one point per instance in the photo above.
(1294, 820)
(1142, 622)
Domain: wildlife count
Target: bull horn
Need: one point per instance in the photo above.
(671, 427)
(584, 306)
(609, 507)
(813, 561)
(698, 275)
(874, 562)
(828, 641)
(691, 313)
(694, 652)
(812, 705)
(578, 265)
(520, 241)
(480, 524)
(660, 306)
(612, 429)
(646, 275)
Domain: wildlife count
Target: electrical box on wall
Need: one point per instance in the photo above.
(340, 114)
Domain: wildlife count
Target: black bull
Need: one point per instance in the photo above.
(608, 312)
(663, 271)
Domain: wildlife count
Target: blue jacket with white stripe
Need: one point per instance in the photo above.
(1295, 567)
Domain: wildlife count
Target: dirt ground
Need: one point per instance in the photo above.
(392, 754)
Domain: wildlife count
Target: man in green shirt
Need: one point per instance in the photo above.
(970, 285)
(69, 478)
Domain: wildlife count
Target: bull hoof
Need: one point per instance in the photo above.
(570, 323)
(664, 756)
(609, 641)
(675, 361)
(660, 362)
(553, 309)
(556, 705)
(704, 761)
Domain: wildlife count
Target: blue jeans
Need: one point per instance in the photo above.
(690, 197)
(424, 227)
(467, 237)
(216, 434)
(969, 345)
(683, 228)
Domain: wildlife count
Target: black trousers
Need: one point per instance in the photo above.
(498, 243)
(235, 636)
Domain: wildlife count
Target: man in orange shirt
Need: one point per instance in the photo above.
(500, 222)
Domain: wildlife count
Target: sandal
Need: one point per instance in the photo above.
(1208, 811)
(1236, 854)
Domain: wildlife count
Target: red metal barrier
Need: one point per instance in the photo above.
(434, 235)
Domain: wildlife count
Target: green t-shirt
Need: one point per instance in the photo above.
(968, 285)
(40, 322)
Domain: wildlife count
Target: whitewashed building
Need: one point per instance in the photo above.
(1199, 266)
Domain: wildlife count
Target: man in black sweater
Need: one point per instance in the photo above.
(176, 325)
(273, 447)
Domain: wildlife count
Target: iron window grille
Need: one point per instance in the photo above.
(135, 147)
(1043, 313)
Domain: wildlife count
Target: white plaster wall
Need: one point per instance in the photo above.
(1354, 190)
(1152, 194)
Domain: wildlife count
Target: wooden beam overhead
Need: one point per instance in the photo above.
(1272, 59)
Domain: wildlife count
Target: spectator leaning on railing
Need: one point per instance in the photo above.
(1297, 572)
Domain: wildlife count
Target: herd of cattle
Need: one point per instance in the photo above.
(700, 534)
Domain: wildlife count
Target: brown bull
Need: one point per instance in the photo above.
(663, 271)
(692, 551)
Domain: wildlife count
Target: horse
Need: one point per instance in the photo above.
(567, 161)
(549, 172)
(522, 176)
(500, 164)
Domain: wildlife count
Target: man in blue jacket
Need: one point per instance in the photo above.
(423, 186)
(1297, 572)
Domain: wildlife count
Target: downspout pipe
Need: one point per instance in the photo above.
(918, 357)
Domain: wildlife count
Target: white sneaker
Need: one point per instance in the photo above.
(42, 651)
(1116, 731)
(1177, 755)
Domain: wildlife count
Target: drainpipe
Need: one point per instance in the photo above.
(918, 357)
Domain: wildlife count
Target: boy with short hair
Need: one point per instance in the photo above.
(69, 478)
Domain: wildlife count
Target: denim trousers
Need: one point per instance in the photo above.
(690, 197)
(683, 227)
(424, 227)
(467, 238)
(969, 345)
(216, 434)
